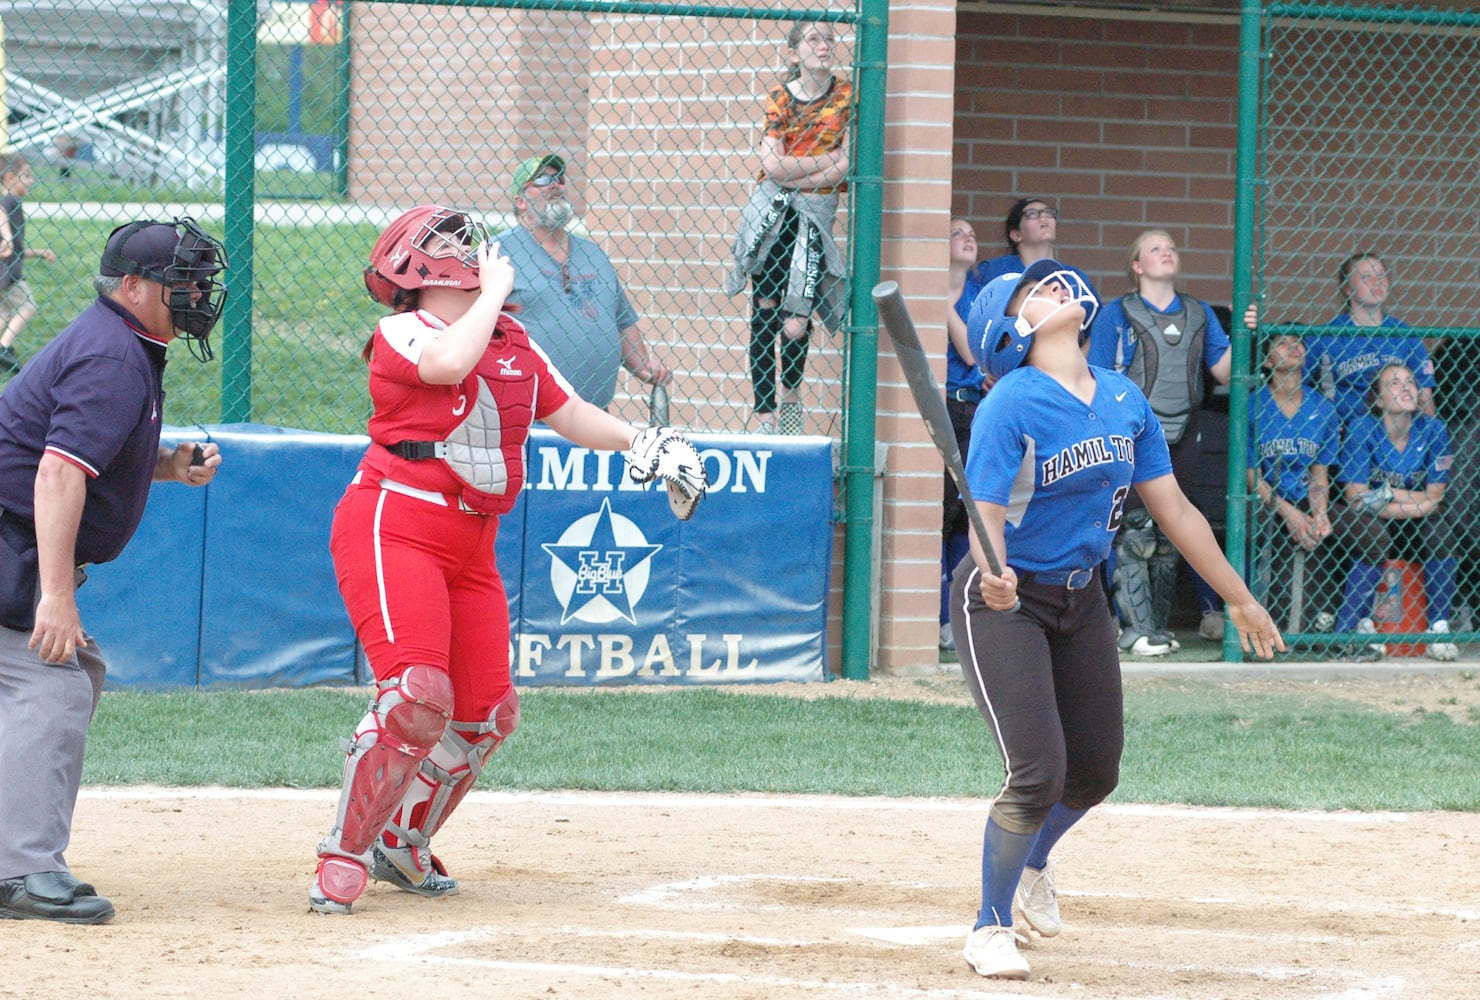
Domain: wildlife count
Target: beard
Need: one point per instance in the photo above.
(556, 213)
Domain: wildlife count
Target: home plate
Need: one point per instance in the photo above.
(911, 935)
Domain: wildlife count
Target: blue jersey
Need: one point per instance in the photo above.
(1369, 458)
(1343, 367)
(960, 375)
(1283, 448)
(1112, 338)
(1063, 469)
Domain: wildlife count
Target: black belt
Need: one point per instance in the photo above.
(1070, 579)
(418, 450)
(964, 395)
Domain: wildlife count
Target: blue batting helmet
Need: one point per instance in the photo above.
(1003, 341)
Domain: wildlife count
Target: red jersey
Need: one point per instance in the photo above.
(512, 385)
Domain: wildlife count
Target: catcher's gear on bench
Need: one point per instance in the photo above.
(664, 453)
(403, 856)
(404, 723)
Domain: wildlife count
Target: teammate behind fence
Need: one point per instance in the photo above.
(1292, 445)
(965, 385)
(455, 382)
(1395, 466)
(1056, 448)
(79, 446)
(1343, 366)
(1168, 345)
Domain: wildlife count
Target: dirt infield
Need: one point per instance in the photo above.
(738, 897)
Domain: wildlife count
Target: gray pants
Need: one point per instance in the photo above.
(45, 710)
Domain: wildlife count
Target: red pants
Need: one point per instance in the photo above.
(421, 586)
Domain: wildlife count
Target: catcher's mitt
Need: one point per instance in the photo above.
(663, 453)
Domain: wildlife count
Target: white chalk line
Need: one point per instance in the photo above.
(421, 949)
(690, 800)
(425, 948)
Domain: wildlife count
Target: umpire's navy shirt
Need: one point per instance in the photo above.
(92, 397)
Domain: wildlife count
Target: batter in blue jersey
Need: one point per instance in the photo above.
(1056, 448)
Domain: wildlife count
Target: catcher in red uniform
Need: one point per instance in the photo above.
(455, 382)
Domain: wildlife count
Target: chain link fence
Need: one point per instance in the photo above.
(1363, 430)
(359, 111)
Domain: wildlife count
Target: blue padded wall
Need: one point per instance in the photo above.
(232, 585)
(271, 615)
(143, 608)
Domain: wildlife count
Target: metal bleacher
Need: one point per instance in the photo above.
(134, 89)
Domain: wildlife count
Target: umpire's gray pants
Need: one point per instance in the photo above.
(45, 710)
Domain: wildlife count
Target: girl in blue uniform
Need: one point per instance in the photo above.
(1394, 471)
(1343, 367)
(1293, 436)
(1056, 448)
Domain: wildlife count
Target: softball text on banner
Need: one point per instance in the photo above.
(605, 585)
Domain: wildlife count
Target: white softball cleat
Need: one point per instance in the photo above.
(992, 951)
(1038, 901)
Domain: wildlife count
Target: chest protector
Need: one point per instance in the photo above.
(1167, 366)
(486, 450)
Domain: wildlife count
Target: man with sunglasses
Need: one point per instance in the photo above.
(568, 293)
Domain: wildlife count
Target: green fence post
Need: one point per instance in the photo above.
(1236, 542)
(240, 194)
(863, 352)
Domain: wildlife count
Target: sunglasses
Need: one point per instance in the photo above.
(545, 180)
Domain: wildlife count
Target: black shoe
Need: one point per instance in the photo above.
(53, 896)
(9, 363)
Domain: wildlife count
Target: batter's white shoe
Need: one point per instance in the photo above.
(992, 951)
(1038, 902)
(1445, 651)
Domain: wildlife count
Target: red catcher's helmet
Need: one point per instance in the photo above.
(429, 246)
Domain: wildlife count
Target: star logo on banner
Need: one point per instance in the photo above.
(600, 566)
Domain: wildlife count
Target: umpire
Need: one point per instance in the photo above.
(79, 447)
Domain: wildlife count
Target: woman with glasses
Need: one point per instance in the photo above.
(1395, 463)
(1342, 366)
(785, 246)
(1031, 229)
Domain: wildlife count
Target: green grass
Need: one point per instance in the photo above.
(310, 317)
(1187, 742)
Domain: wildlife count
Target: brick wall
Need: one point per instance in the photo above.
(1123, 125)
(913, 252)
